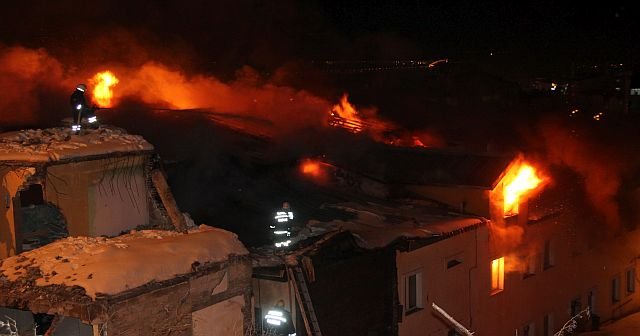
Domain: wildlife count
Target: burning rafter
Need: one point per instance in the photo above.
(345, 115)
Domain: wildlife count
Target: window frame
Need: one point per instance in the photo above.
(417, 274)
(547, 325)
(575, 307)
(547, 256)
(530, 266)
(529, 329)
(591, 300)
(615, 289)
(497, 275)
(630, 274)
(454, 261)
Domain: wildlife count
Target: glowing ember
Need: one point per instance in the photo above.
(310, 167)
(526, 180)
(102, 91)
(346, 116)
(315, 170)
(417, 142)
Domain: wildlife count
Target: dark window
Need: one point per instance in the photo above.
(548, 255)
(413, 292)
(591, 301)
(548, 325)
(529, 330)
(631, 280)
(453, 263)
(529, 266)
(615, 290)
(576, 307)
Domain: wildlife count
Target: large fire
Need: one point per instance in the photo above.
(346, 116)
(103, 83)
(523, 182)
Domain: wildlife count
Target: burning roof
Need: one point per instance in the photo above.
(113, 265)
(54, 144)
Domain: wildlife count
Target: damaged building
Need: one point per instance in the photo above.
(427, 244)
(92, 243)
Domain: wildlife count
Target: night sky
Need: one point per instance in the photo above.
(221, 36)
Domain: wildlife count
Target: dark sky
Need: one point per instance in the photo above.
(267, 34)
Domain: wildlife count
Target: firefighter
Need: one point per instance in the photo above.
(80, 109)
(281, 228)
(278, 321)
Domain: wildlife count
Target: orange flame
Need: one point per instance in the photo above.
(525, 181)
(346, 116)
(102, 91)
(310, 167)
(344, 109)
(314, 169)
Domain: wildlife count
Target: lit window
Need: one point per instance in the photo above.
(615, 290)
(631, 280)
(413, 292)
(497, 275)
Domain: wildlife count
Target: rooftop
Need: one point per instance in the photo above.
(109, 266)
(377, 225)
(58, 144)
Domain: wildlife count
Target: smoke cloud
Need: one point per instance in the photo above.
(599, 160)
(34, 88)
(27, 78)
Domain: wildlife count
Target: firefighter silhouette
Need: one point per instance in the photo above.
(80, 109)
(278, 321)
(281, 227)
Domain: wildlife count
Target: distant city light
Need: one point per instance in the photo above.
(598, 116)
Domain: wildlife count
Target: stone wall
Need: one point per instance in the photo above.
(169, 310)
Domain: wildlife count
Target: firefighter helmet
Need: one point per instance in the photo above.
(81, 87)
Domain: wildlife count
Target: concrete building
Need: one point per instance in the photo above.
(436, 222)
